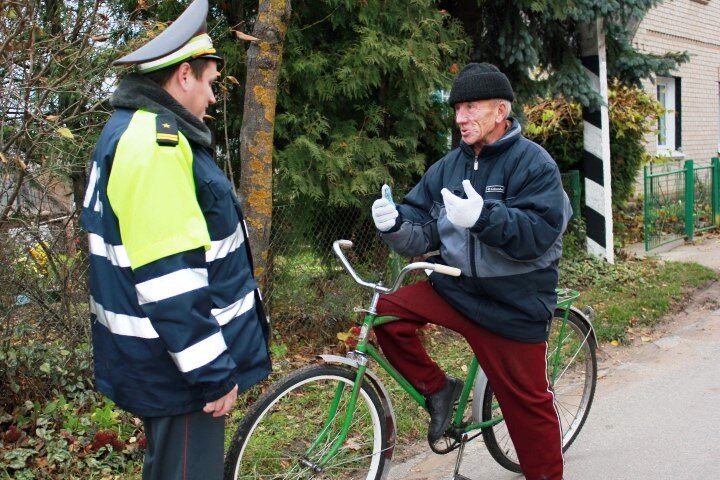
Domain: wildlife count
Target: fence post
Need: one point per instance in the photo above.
(646, 209)
(689, 199)
(715, 162)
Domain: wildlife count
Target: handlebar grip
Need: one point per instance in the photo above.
(446, 270)
(345, 244)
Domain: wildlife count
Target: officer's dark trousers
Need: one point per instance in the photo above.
(516, 371)
(184, 447)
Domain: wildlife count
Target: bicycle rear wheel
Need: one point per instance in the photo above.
(293, 426)
(572, 371)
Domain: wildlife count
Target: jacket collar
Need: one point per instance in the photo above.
(511, 136)
(140, 93)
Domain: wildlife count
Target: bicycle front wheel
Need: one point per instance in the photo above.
(292, 429)
(572, 372)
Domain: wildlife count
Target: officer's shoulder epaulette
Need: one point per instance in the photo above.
(166, 130)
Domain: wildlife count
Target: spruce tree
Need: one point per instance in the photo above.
(537, 42)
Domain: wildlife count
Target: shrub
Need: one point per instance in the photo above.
(556, 124)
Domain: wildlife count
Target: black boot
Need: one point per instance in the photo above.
(440, 407)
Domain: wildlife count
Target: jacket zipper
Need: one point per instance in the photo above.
(470, 240)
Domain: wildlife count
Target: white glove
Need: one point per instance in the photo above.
(384, 211)
(463, 212)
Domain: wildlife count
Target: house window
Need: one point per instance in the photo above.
(669, 131)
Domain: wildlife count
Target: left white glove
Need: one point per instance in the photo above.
(463, 212)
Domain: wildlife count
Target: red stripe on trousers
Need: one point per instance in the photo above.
(516, 370)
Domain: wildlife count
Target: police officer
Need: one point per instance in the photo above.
(178, 326)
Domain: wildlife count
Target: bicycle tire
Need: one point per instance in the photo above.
(574, 390)
(273, 439)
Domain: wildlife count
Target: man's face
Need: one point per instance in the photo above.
(200, 90)
(477, 120)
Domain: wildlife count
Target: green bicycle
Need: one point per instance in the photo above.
(335, 419)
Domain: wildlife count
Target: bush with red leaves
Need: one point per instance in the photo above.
(107, 437)
(12, 434)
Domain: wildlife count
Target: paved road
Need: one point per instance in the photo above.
(656, 413)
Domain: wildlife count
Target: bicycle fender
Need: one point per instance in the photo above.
(481, 382)
(382, 392)
(586, 320)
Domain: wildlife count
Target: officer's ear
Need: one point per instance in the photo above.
(182, 76)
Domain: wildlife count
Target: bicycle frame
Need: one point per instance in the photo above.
(359, 356)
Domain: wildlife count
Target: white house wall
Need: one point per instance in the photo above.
(692, 26)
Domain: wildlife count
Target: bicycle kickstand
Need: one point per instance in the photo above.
(461, 450)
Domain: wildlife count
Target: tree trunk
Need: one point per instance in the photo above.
(264, 58)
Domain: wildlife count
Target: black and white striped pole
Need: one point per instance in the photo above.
(596, 140)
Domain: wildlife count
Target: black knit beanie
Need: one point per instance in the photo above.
(480, 81)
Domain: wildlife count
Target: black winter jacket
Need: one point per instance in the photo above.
(509, 258)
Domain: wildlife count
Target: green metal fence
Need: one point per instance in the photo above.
(680, 202)
(571, 184)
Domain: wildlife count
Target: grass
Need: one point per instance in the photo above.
(632, 293)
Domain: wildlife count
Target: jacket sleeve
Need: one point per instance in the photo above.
(531, 219)
(415, 231)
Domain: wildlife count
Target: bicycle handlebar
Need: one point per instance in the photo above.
(340, 245)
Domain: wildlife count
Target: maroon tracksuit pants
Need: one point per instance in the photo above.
(516, 371)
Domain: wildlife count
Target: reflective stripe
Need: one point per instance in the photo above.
(116, 254)
(225, 315)
(92, 185)
(121, 324)
(196, 46)
(222, 248)
(172, 284)
(200, 354)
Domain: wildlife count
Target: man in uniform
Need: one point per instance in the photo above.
(178, 326)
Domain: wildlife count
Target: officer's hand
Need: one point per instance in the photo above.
(463, 212)
(222, 405)
(384, 213)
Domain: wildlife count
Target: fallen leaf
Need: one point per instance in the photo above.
(245, 36)
(52, 118)
(614, 343)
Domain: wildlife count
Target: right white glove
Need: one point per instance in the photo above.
(384, 213)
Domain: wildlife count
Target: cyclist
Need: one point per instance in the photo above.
(495, 208)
